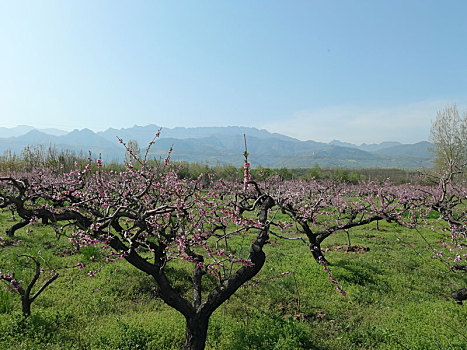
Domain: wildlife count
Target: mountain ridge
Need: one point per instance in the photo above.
(224, 145)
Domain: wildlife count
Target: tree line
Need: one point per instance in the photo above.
(63, 160)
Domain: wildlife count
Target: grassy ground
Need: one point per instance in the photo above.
(397, 298)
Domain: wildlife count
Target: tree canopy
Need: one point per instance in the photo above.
(449, 138)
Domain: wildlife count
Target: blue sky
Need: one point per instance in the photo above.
(357, 71)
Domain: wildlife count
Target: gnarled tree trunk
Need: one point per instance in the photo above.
(196, 332)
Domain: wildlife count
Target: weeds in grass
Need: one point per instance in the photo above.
(396, 300)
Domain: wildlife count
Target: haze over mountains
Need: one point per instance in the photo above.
(223, 145)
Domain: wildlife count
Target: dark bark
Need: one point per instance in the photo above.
(11, 231)
(26, 299)
(25, 305)
(459, 295)
(316, 238)
(196, 332)
(47, 217)
(348, 238)
(315, 248)
(171, 297)
(197, 286)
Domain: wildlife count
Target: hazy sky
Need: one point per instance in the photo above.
(358, 71)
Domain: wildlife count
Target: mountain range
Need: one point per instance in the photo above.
(223, 145)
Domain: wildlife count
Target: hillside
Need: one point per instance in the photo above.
(224, 145)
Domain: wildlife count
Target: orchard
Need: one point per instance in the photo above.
(150, 217)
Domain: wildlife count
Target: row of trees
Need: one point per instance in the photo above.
(35, 157)
(151, 216)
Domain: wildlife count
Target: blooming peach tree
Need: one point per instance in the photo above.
(152, 218)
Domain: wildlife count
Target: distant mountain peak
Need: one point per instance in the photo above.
(340, 143)
(224, 145)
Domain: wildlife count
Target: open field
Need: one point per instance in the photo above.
(397, 298)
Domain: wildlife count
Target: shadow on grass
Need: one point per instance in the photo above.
(357, 272)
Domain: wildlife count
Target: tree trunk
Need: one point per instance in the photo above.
(196, 332)
(459, 295)
(11, 231)
(25, 305)
(315, 248)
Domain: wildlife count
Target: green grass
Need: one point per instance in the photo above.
(398, 298)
